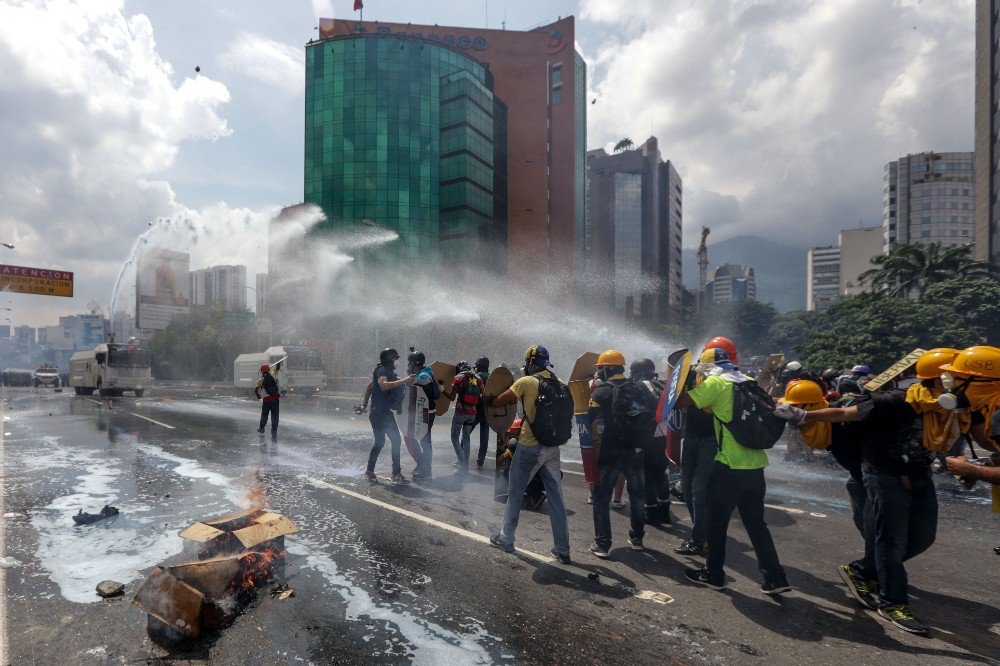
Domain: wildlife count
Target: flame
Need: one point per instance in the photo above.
(256, 490)
(257, 567)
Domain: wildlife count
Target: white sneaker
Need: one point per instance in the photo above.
(617, 504)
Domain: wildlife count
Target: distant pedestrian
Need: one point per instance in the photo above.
(268, 383)
(482, 368)
(548, 423)
(467, 392)
(423, 379)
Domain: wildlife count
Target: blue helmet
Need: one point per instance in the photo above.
(537, 355)
(861, 370)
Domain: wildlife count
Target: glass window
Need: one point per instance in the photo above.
(556, 74)
(556, 95)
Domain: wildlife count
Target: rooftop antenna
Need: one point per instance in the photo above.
(503, 24)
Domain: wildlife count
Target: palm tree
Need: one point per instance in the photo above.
(910, 268)
(624, 144)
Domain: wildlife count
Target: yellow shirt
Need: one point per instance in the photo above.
(526, 390)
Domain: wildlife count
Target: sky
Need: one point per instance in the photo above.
(118, 115)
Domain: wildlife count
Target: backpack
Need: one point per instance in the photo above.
(270, 385)
(553, 424)
(632, 420)
(754, 424)
(472, 389)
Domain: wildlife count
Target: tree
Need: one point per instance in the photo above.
(909, 269)
(792, 329)
(975, 302)
(624, 144)
(199, 345)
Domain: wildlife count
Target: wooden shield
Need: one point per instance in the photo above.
(445, 375)
(500, 418)
(579, 381)
(767, 378)
(895, 370)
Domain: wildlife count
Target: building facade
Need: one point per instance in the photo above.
(730, 282)
(857, 247)
(224, 287)
(261, 284)
(457, 138)
(928, 198)
(633, 233)
(822, 277)
(987, 142)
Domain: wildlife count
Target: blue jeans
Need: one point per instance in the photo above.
(629, 463)
(384, 425)
(462, 424)
(544, 461)
(905, 525)
(697, 456)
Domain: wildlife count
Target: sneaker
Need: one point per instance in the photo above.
(859, 588)
(617, 504)
(479, 464)
(456, 464)
(590, 500)
(420, 474)
(691, 548)
(260, 430)
(776, 586)
(562, 559)
(400, 480)
(701, 577)
(372, 479)
(635, 543)
(497, 543)
(901, 616)
(600, 551)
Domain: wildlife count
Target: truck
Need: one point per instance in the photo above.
(301, 369)
(111, 369)
(46, 375)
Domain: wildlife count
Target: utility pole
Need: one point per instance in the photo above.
(702, 267)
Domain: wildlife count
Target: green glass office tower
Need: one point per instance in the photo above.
(409, 135)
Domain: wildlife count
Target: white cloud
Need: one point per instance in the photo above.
(267, 61)
(787, 110)
(92, 118)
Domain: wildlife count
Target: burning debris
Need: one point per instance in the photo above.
(238, 553)
(82, 518)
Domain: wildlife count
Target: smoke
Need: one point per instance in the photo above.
(340, 286)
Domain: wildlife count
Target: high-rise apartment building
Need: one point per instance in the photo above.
(928, 198)
(987, 143)
(730, 282)
(857, 247)
(633, 232)
(822, 277)
(465, 141)
(260, 288)
(220, 286)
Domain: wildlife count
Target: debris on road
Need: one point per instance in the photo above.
(110, 588)
(9, 563)
(282, 591)
(82, 518)
(238, 552)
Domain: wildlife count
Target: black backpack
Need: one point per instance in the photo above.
(553, 424)
(754, 424)
(270, 384)
(632, 421)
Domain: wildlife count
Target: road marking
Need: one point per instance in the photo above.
(96, 402)
(146, 418)
(646, 595)
(569, 471)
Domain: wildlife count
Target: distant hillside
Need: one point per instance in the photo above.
(780, 268)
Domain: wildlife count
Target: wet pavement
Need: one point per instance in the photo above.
(391, 574)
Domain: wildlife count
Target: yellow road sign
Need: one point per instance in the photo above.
(39, 281)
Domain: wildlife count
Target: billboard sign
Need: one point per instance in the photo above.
(88, 330)
(38, 281)
(162, 287)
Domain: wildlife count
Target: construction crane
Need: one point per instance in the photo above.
(702, 267)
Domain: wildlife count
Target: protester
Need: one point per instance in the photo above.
(622, 420)
(548, 413)
(896, 471)
(482, 368)
(423, 379)
(386, 394)
(271, 398)
(737, 479)
(467, 392)
(655, 463)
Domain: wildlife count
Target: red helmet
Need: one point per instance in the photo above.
(720, 342)
(265, 368)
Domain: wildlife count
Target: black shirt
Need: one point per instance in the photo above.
(893, 441)
(699, 423)
(385, 401)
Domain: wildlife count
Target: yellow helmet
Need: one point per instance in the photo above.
(978, 361)
(610, 357)
(929, 365)
(803, 392)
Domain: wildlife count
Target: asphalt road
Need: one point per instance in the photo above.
(389, 574)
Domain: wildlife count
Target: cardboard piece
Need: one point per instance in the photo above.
(265, 528)
(579, 381)
(171, 601)
(445, 375)
(240, 529)
(767, 378)
(895, 370)
(500, 418)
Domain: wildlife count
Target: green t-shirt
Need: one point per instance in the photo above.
(717, 393)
